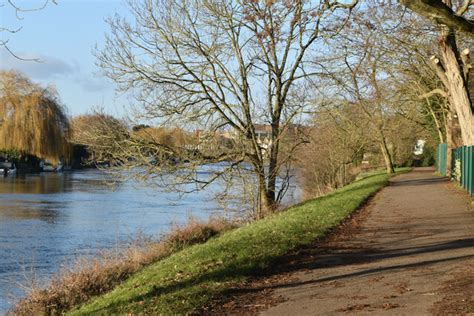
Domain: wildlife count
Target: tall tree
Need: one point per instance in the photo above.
(32, 119)
(361, 72)
(454, 65)
(224, 64)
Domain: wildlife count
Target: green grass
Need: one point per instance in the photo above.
(188, 279)
(366, 174)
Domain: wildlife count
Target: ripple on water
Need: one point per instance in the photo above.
(48, 219)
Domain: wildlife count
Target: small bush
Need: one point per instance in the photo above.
(428, 157)
(195, 232)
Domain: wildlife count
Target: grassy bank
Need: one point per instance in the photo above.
(88, 277)
(188, 279)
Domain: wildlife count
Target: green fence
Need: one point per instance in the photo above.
(441, 158)
(462, 165)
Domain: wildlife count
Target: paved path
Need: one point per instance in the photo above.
(417, 240)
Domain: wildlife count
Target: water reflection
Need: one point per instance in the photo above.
(52, 183)
(47, 211)
(48, 218)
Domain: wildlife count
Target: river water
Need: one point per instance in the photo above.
(49, 218)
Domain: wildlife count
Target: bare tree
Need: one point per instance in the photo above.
(224, 65)
(334, 150)
(422, 96)
(361, 73)
(425, 99)
(454, 65)
(102, 134)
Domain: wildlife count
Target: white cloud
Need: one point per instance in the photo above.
(48, 67)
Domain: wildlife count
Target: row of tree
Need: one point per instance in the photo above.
(366, 77)
(232, 64)
(33, 122)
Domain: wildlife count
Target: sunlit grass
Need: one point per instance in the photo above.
(188, 279)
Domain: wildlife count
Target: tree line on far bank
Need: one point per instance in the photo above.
(330, 150)
(35, 125)
(337, 84)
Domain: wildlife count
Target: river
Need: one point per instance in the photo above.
(49, 218)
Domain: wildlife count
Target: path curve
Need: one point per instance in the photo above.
(417, 237)
(410, 252)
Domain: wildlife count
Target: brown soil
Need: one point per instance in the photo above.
(410, 251)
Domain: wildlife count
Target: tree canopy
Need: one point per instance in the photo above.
(225, 66)
(101, 133)
(32, 120)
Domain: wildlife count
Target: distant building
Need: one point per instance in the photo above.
(262, 131)
(264, 135)
(420, 144)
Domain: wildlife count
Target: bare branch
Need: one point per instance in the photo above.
(440, 13)
(466, 63)
(438, 67)
(433, 92)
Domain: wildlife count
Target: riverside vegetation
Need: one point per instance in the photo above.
(193, 264)
(86, 278)
(381, 77)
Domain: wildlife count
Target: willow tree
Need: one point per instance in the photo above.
(32, 121)
(224, 64)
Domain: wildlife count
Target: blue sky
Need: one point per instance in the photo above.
(63, 37)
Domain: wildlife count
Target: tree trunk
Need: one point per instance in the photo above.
(437, 123)
(386, 156)
(272, 171)
(264, 204)
(449, 142)
(457, 85)
(273, 167)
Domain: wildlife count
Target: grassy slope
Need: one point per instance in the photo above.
(187, 280)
